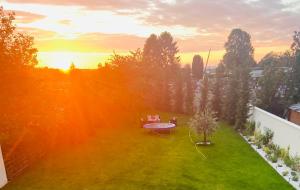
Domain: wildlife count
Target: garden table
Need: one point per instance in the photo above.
(159, 126)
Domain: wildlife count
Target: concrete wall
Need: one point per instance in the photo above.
(285, 133)
(3, 178)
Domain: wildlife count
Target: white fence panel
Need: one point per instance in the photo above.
(3, 177)
(285, 133)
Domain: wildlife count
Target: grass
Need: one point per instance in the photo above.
(130, 158)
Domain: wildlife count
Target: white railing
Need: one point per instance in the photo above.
(285, 133)
(3, 177)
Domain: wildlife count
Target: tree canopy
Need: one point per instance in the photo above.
(16, 49)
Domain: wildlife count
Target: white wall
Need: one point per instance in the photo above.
(3, 178)
(285, 133)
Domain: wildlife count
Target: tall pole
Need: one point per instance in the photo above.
(207, 61)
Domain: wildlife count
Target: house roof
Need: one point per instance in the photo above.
(295, 107)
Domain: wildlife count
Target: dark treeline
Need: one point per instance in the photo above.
(42, 109)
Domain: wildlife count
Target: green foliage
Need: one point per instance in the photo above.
(267, 137)
(267, 150)
(160, 68)
(288, 161)
(244, 96)
(250, 128)
(285, 173)
(237, 60)
(273, 158)
(273, 78)
(188, 92)
(284, 152)
(258, 138)
(178, 95)
(295, 178)
(217, 91)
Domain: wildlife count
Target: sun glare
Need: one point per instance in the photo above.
(59, 60)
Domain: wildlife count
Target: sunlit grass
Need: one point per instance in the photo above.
(128, 158)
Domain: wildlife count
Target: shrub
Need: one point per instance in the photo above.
(259, 146)
(287, 161)
(250, 128)
(258, 138)
(267, 137)
(267, 150)
(295, 164)
(285, 173)
(293, 173)
(273, 158)
(284, 152)
(295, 178)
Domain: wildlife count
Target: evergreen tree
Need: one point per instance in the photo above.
(179, 91)
(197, 67)
(231, 97)
(217, 91)
(188, 95)
(169, 63)
(153, 70)
(244, 96)
(237, 59)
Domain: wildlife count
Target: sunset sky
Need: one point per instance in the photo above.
(87, 31)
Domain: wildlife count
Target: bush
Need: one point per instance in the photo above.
(295, 163)
(295, 178)
(285, 173)
(273, 158)
(250, 128)
(287, 161)
(293, 173)
(267, 150)
(267, 137)
(258, 138)
(284, 152)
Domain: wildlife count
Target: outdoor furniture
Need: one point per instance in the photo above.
(153, 119)
(174, 121)
(159, 127)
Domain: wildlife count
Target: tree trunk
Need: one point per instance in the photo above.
(204, 136)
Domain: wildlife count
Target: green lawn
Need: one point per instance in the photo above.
(129, 158)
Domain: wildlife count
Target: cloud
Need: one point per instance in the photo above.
(92, 42)
(265, 20)
(92, 4)
(123, 25)
(26, 17)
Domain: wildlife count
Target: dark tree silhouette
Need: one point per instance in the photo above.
(16, 49)
(197, 67)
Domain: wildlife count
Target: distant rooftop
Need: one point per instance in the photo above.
(295, 107)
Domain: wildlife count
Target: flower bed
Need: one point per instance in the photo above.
(278, 162)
